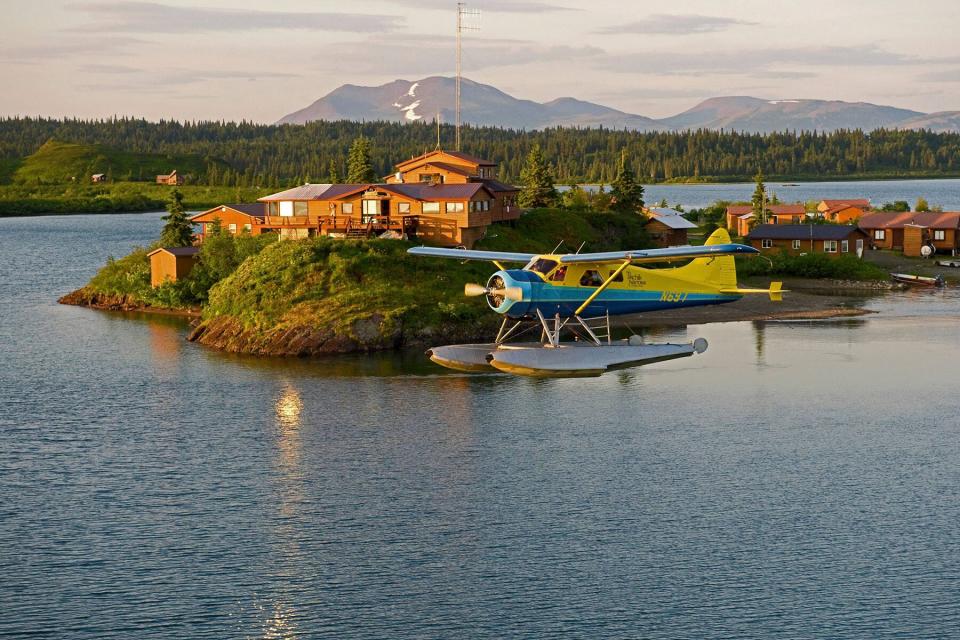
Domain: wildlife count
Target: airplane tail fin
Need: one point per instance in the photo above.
(721, 271)
(718, 271)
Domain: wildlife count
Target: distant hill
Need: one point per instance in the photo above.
(481, 104)
(59, 162)
(411, 101)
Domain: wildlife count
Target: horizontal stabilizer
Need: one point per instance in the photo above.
(670, 254)
(775, 291)
(467, 254)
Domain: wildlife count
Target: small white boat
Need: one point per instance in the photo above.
(949, 263)
(918, 281)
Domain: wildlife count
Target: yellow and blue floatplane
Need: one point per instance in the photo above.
(579, 292)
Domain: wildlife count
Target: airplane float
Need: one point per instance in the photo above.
(578, 293)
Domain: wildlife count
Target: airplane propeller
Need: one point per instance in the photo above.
(510, 293)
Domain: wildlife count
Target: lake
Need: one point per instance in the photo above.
(944, 193)
(799, 479)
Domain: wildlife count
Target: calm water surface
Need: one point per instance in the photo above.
(945, 193)
(797, 480)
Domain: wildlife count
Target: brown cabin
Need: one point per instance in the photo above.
(234, 218)
(830, 239)
(667, 227)
(172, 179)
(843, 211)
(740, 217)
(171, 263)
(888, 230)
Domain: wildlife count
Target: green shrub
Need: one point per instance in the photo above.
(811, 265)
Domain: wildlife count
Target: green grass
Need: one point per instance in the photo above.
(21, 199)
(65, 162)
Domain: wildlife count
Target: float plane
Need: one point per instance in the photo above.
(579, 292)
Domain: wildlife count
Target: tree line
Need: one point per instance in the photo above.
(250, 154)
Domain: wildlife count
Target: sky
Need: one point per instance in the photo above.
(240, 59)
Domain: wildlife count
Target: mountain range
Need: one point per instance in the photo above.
(482, 104)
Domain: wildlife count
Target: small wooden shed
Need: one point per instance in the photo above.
(171, 263)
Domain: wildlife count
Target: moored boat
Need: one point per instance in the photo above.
(918, 281)
(949, 263)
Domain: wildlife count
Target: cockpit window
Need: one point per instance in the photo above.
(559, 274)
(541, 266)
(591, 278)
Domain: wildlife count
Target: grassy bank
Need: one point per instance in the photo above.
(25, 200)
(811, 265)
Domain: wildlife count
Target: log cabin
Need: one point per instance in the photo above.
(796, 239)
(888, 230)
(843, 211)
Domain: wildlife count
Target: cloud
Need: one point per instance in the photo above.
(946, 75)
(418, 57)
(760, 62)
(673, 24)
(154, 17)
(495, 6)
(68, 47)
(149, 79)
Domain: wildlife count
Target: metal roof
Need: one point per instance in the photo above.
(673, 221)
(303, 192)
(802, 232)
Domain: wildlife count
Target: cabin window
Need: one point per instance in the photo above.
(844, 246)
(454, 207)
(431, 207)
(939, 234)
(559, 274)
(403, 207)
(591, 278)
(486, 205)
(299, 208)
(796, 244)
(248, 227)
(619, 277)
(273, 208)
(766, 243)
(286, 208)
(430, 177)
(830, 246)
(879, 234)
(232, 227)
(541, 266)
(348, 207)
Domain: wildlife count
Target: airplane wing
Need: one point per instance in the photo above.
(466, 254)
(661, 255)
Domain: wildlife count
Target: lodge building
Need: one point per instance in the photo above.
(830, 239)
(910, 230)
(444, 197)
(741, 217)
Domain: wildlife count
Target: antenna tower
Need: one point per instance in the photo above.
(462, 12)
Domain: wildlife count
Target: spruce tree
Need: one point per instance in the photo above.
(537, 180)
(359, 165)
(759, 199)
(333, 176)
(178, 232)
(626, 192)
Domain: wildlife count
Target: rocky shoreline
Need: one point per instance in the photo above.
(377, 333)
(86, 297)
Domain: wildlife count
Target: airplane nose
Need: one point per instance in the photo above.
(502, 292)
